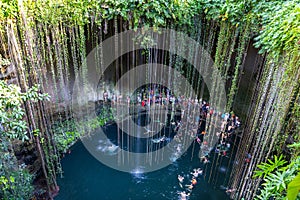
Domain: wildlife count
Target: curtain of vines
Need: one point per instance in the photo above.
(46, 43)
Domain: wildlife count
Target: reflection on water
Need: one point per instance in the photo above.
(138, 176)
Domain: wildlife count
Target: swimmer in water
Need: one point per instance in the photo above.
(196, 172)
(205, 160)
(158, 140)
(190, 187)
(178, 149)
(180, 179)
(112, 148)
(163, 138)
(148, 131)
(194, 181)
(183, 195)
(198, 140)
(200, 171)
(228, 191)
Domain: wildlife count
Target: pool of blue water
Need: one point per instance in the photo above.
(85, 177)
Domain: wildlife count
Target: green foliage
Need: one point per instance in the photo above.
(15, 181)
(280, 181)
(293, 188)
(138, 12)
(295, 145)
(80, 12)
(267, 168)
(9, 9)
(65, 11)
(280, 26)
(65, 140)
(3, 61)
(66, 133)
(11, 111)
(279, 20)
(18, 186)
(233, 11)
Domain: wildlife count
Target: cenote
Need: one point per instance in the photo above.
(86, 177)
(162, 99)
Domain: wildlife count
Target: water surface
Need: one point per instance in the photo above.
(87, 178)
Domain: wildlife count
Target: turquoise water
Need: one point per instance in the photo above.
(87, 178)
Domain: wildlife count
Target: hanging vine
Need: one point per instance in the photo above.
(46, 42)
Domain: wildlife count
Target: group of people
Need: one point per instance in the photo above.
(193, 124)
(188, 187)
(149, 95)
(157, 94)
(230, 122)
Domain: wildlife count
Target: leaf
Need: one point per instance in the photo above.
(12, 179)
(295, 145)
(267, 168)
(293, 188)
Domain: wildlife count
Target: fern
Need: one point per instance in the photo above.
(280, 182)
(267, 168)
